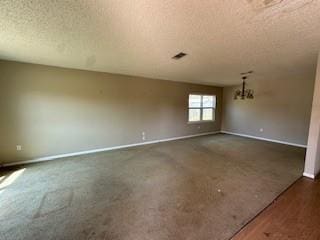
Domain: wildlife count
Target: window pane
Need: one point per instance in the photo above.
(209, 101)
(207, 114)
(194, 115)
(194, 100)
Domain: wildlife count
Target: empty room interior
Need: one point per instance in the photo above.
(159, 120)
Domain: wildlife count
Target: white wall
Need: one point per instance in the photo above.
(312, 164)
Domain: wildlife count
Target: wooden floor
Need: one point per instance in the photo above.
(294, 215)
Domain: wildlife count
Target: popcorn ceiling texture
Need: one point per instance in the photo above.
(139, 37)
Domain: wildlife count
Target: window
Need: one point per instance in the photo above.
(201, 108)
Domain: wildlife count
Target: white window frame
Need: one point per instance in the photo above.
(201, 108)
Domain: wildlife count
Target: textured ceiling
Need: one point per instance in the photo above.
(139, 37)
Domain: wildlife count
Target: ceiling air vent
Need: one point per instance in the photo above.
(179, 56)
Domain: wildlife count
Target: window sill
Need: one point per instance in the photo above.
(203, 121)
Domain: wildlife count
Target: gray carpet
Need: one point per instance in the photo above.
(200, 188)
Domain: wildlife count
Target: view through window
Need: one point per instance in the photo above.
(202, 108)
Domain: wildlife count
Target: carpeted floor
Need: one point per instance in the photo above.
(200, 188)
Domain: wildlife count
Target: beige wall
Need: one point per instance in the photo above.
(281, 108)
(53, 111)
(312, 164)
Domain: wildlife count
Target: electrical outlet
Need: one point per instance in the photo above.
(261, 130)
(19, 147)
(143, 136)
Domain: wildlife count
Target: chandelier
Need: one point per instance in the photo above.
(244, 93)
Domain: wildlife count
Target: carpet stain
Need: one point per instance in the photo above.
(55, 201)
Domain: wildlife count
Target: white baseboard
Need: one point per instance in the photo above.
(265, 139)
(48, 158)
(309, 175)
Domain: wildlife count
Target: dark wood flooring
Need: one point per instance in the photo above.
(293, 215)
